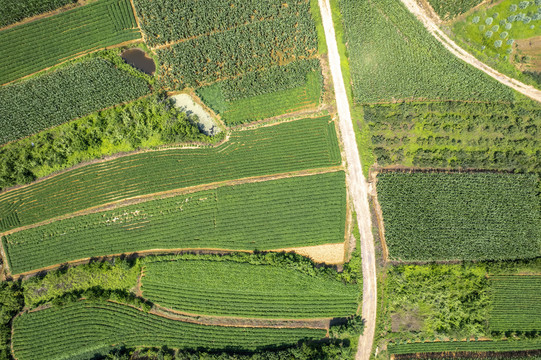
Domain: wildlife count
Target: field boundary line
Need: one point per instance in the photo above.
(179, 191)
(143, 253)
(465, 56)
(379, 214)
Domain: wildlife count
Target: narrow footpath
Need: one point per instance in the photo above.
(357, 187)
(462, 54)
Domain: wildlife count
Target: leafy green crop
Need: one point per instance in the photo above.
(228, 288)
(460, 216)
(292, 212)
(12, 11)
(84, 326)
(474, 346)
(290, 146)
(73, 91)
(447, 9)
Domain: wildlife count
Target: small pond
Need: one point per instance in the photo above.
(139, 60)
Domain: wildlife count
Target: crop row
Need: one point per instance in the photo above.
(239, 289)
(455, 135)
(33, 46)
(292, 212)
(164, 21)
(82, 326)
(252, 47)
(452, 346)
(392, 56)
(73, 91)
(450, 9)
(516, 304)
(447, 216)
(296, 145)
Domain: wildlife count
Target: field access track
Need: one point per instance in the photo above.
(291, 146)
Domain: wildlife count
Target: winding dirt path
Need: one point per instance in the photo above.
(357, 186)
(462, 54)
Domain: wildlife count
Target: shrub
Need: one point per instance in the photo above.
(495, 15)
(498, 43)
(504, 34)
(511, 18)
(489, 21)
(524, 4)
(488, 34)
(481, 27)
(510, 41)
(526, 20)
(496, 28)
(475, 20)
(513, 7)
(508, 26)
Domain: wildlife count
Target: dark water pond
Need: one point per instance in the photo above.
(139, 60)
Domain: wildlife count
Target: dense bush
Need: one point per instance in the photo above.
(73, 91)
(14, 10)
(144, 123)
(11, 302)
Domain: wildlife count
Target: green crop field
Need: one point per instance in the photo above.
(464, 216)
(292, 212)
(449, 9)
(33, 46)
(52, 99)
(12, 11)
(84, 326)
(456, 135)
(296, 145)
(392, 56)
(476, 346)
(517, 303)
(238, 289)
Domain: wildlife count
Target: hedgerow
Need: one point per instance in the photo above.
(12, 11)
(84, 325)
(290, 146)
(293, 212)
(473, 346)
(144, 123)
(460, 216)
(34, 46)
(70, 92)
(456, 135)
(392, 56)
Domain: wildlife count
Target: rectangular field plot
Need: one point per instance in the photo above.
(517, 303)
(226, 288)
(446, 216)
(82, 327)
(291, 212)
(296, 145)
(33, 46)
(474, 346)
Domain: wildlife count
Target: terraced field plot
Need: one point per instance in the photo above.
(517, 303)
(296, 145)
(226, 288)
(474, 346)
(467, 216)
(293, 212)
(33, 46)
(83, 327)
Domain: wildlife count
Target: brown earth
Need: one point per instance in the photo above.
(530, 47)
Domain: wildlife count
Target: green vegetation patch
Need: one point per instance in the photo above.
(12, 11)
(148, 122)
(437, 301)
(457, 135)
(73, 91)
(117, 276)
(84, 326)
(392, 56)
(493, 30)
(295, 145)
(225, 288)
(517, 303)
(447, 9)
(476, 346)
(464, 216)
(11, 302)
(31, 47)
(292, 212)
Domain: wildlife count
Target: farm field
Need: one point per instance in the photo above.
(460, 216)
(393, 57)
(13, 11)
(456, 135)
(225, 288)
(34, 46)
(84, 326)
(70, 92)
(292, 212)
(517, 303)
(290, 146)
(474, 346)
(449, 9)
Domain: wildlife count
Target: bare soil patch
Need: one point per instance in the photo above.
(331, 254)
(530, 48)
(408, 321)
(205, 121)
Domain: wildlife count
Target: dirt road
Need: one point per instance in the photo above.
(456, 50)
(357, 186)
